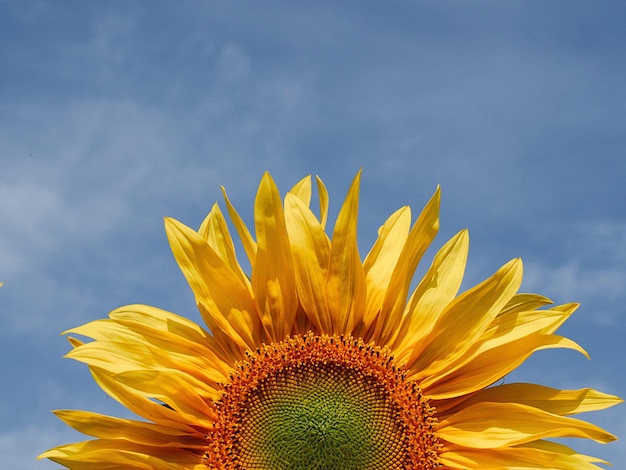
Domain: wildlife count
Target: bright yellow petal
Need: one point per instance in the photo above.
(143, 404)
(513, 458)
(302, 190)
(215, 231)
(151, 321)
(189, 398)
(249, 245)
(311, 253)
(488, 366)
(185, 394)
(419, 239)
(273, 278)
(346, 279)
(492, 425)
(555, 447)
(509, 341)
(560, 402)
(107, 427)
(323, 198)
(433, 294)
(381, 261)
(148, 353)
(465, 320)
(223, 299)
(523, 302)
(117, 454)
(509, 326)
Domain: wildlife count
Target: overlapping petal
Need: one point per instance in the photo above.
(223, 298)
(453, 349)
(346, 277)
(492, 425)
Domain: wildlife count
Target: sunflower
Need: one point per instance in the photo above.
(318, 360)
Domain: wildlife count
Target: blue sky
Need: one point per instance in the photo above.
(115, 114)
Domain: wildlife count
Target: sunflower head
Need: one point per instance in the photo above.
(319, 359)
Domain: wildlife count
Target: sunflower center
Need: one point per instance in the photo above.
(324, 402)
(318, 416)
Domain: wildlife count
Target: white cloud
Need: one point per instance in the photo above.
(573, 281)
(589, 267)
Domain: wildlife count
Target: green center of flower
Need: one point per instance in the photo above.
(319, 416)
(322, 402)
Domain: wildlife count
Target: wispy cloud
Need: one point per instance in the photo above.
(111, 119)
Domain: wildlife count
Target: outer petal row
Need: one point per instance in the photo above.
(493, 425)
(117, 454)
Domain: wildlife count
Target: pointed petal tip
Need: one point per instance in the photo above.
(267, 177)
(464, 235)
(169, 222)
(516, 266)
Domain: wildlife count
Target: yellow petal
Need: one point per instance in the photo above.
(323, 197)
(419, 239)
(555, 447)
(149, 321)
(380, 262)
(513, 458)
(509, 326)
(560, 402)
(223, 299)
(273, 277)
(465, 320)
(137, 323)
(118, 454)
(302, 190)
(75, 342)
(249, 245)
(311, 252)
(103, 330)
(523, 302)
(107, 427)
(346, 279)
(142, 352)
(504, 346)
(433, 294)
(143, 405)
(192, 398)
(215, 231)
(486, 367)
(491, 425)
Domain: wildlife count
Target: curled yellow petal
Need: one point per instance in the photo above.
(560, 402)
(475, 309)
(222, 297)
(107, 427)
(492, 425)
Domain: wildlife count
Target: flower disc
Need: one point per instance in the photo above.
(315, 402)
